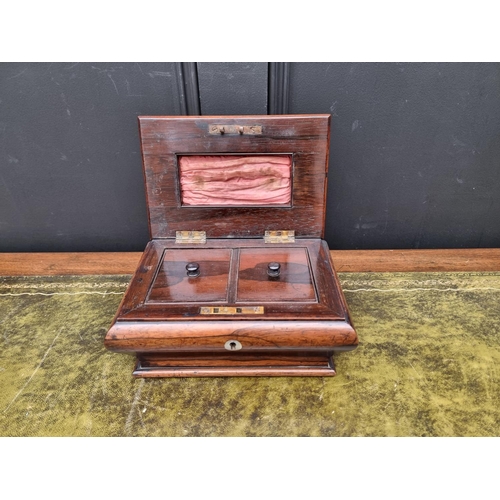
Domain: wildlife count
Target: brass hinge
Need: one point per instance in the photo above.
(191, 237)
(279, 237)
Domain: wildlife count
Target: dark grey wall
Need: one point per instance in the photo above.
(414, 153)
(415, 148)
(70, 155)
(233, 88)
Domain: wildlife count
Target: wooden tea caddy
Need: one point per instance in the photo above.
(234, 289)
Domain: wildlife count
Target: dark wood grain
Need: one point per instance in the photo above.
(142, 279)
(289, 339)
(321, 302)
(210, 336)
(172, 284)
(293, 284)
(287, 363)
(304, 136)
(160, 331)
(262, 358)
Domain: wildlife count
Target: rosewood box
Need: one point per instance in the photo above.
(236, 279)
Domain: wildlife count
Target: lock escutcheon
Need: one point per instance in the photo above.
(232, 345)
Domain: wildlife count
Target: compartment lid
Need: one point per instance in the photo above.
(235, 176)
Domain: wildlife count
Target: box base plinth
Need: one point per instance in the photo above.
(234, 365)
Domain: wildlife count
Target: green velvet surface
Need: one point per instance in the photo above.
(427, 365)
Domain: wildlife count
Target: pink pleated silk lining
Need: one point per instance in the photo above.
(235, 180)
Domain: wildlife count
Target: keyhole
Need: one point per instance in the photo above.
(232, 345)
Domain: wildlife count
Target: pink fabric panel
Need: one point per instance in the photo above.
(235, 180)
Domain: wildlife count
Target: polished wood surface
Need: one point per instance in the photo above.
(293, 284)
(211, 336)
(305, 137)
(425, 260)
(172, 283)
(346, 261)
(68, 263)
(305, 313)
(326, 302)
(288, 363)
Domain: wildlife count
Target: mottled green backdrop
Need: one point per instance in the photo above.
(427, 365)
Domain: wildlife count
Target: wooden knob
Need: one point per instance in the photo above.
(193, 269)
(273, 269)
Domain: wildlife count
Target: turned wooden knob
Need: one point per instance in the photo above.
(193, 269)
(273, 269)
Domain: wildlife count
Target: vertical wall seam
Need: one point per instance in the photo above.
(180, 102)
(187, 86)
(191, 88)
(278, 88)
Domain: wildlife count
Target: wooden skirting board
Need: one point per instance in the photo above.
(345, 261)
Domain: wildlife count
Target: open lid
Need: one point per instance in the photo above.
(235, 176)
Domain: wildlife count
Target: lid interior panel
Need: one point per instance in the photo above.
(166, 141)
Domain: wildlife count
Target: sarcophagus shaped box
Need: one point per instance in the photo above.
(236, 280)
